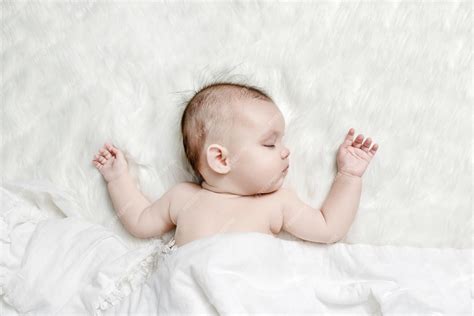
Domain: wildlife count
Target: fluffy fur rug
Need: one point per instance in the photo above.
(78, 74)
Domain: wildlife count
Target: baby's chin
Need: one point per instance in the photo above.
(275, 186)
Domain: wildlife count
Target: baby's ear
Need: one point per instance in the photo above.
(218, 159)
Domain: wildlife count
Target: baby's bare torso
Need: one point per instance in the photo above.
(199, 213)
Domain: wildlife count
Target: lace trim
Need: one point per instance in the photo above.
(135, 277)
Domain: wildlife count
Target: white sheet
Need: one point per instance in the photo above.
(73, 266)
(257, 273)
(68, 265)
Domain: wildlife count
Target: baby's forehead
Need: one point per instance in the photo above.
(259, 115)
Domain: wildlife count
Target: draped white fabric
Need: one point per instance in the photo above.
(72, 266)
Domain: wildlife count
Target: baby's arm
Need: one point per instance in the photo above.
(139, 216)
(341, 204)
(339, 209)
(333, 221)
(303, 221)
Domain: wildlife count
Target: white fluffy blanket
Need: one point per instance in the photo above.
(72, 266)
(78, 74)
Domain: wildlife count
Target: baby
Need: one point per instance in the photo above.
(232, 136)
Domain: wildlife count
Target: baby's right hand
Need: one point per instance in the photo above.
(110, 162)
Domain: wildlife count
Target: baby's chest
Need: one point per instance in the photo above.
(225, 219)
(209, 218)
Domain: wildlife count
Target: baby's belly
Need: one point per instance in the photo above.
(190, 231)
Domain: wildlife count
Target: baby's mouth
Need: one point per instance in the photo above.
(286, 169)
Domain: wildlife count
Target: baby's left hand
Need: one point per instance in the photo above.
(353, 156)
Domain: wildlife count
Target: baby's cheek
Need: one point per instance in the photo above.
(267, 170)
(257, 163)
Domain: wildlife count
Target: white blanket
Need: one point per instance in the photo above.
(258, 273)
(64, 266)
(73, 266)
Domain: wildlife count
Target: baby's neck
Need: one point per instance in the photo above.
(217, 190)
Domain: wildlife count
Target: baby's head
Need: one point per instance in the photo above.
(232, 137)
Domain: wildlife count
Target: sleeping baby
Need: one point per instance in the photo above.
(233, 141)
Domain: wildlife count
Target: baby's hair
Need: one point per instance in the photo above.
(208, 114)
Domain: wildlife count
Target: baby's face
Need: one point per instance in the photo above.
(259, 156)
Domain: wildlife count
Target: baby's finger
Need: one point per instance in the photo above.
(105, 153)
(98, 158)
(358, 141)
(112, 149)
(374, 148)
(109, 146)
(116, 152)
(349, 137)
(97, 164)
(366, 145)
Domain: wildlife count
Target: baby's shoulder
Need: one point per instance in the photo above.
(186, 187)
(182, 194)
(286, 197)
(183, 190)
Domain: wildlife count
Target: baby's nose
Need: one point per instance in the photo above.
(285, 153)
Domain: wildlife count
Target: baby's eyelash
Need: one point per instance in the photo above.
(270, 146)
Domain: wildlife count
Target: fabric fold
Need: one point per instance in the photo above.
(249, 273)
(66, 265)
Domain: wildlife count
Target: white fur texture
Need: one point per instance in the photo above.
(78, 74)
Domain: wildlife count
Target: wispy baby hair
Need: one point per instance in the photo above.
(208, 115)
